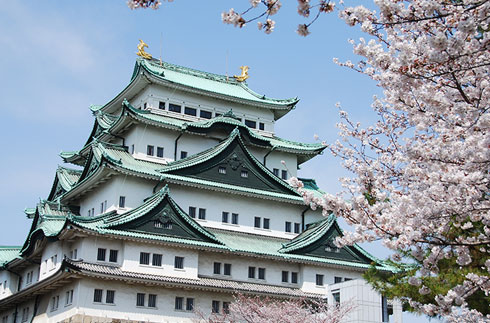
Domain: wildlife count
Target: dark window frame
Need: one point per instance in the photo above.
(161, 105)
(113, 254)
(150, 150)
(251, 123)
(234, 218)
(266, 223)
(178, 262)
(287, 226)
(217, 268)
(205, 114)
(110, 296)
(294, 277)
(227, 269)
(101, 253)
(172, 107)
(319, 280)
(202, 214)
(225, 217)
(140, 299)
(257, 222)
(190, 111)
(98, 295)
(144, 258)
(261, 273)
(179, 303)
(183, 154)
(160, 151)
(251, 272)
(156, 260)
(122, 201)
(152, 300)
(192, 212)
(285, 276)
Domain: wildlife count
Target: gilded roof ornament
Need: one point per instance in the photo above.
(244, 75)
(141, 50)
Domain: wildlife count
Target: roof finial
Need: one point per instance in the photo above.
(244, 75)
(141, 50)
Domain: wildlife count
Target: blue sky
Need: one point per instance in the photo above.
(59, 57)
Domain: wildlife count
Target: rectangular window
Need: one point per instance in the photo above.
(179, 302)
(267, 223)
(144, 106)
(101, 254)
(156, 260)
(109, 296)
(336, 297)
(140, 299)
(319, 280)
(284, 174)
(217, 114)
(261, 273)
(189, 306)
(251, 123)
(288, 226)
(25, 314)
(93, 211)
(144, 258)
(183, 154)
(251, 272)
(275, 171)
(102, 207)
(217, 268)
(205, 114)
(215, 307)
(160, 152)
(234, 218)
(296, 227)
(69, 297)
(224, 217)
(150, 150)
(285, 276)
(152, 300)
(294, 277)
(122, 201)
(257, 222)
(132, 149)
(174, 107)
(226, 307)
(190, 111)
(192, 211)
(55, 303)
(261, 126)
(113, 255)
(179, 262)
(161, 105)
(222, 170)
(227, 270)
(244, 173)
(97, 295)
(337, 280)
(202, 214)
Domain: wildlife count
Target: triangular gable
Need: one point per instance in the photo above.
(65, 179)
(162, 216)
(318, 241)
(231, 163)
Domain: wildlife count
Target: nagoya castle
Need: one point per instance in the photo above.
(178, 201)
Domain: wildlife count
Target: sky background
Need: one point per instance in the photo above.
(58, 57)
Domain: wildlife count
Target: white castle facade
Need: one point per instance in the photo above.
(179, 200)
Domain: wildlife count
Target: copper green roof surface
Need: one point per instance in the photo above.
(209, 82)
(309, 236)
(8, 253)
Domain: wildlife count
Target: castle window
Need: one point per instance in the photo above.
(101, 254)
(261, 126)
(224, 217)
(122, 201)
(319, 280)
(29, 277)
(251, 124)
(179, 262)
(202, 214)
(275, 171)
(160, 152)
(25, 314)
(109, 297)
(174, 107)
(55, 303)
(74, 254)
(179, 303)
(261, 273)
(226, 307)
(183, 154)
(285, 276)
(257, 222)
(284, 174)
(192, 211)
(189, 304)
(296, 227)
(156, 260)
(144, 258)
(294, 277)
(267, 223)
(251, 272)
(152, 300)
(234, 218)
(227, 270)
(217, 268)
(157, 224)
(97, 295)
(288, 226)
(150, 150)
(69, 297)
(217, 114)
(222, 170)
(167, 225)
(244, 174)
(205, 114)
(190, 111)
(161, 105)
(132, 149)
(336, 297)
(140, 299)
(144, 106)
(337, 280)
(113, 255)
(215, 307)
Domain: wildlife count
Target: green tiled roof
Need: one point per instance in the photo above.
(314, 232)
(209, 82)
(8, 253)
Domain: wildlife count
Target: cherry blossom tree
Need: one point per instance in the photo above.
(265, 310)
(421, 172)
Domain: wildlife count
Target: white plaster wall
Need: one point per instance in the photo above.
(132, 257)
(89, 247)
(47, 267)
(310, 272)
(247, 208)
(274, 161)
(135, 190)
(11, 283)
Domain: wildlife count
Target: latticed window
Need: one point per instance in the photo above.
(234, 218)
(285, 276)
(140, 299)
(217, 268)
(202, 214)
(113, 255)
(179, 303)
(179, 262)
(144, 258)
(97, 295)
(267, 223)
(224, 217)
(222, 170)
(294, 277)
(227, 270)
(261, 273)
(189, 304)
(319, 280)
(152, 300)
(192, 211)
(101, 254)
(109, 296)
(156, 260)
(205, 114)
(251, 272)
(215, 307)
